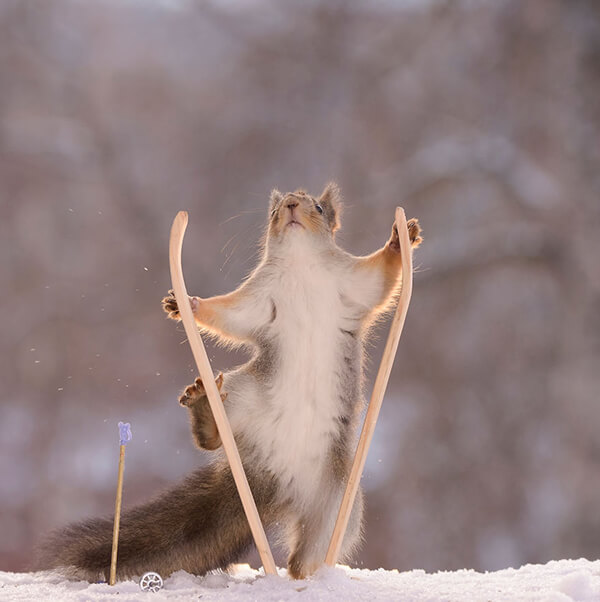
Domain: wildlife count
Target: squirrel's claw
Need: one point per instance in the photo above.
(414, 235)
(169, 305)
(414, 232)
(196, 390)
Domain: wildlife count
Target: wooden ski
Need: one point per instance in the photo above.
(214, 398)
(383, 375)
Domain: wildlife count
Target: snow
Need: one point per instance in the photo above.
(557, 581)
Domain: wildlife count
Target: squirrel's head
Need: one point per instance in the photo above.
(301, 211)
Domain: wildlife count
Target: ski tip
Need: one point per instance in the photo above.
(400, 214)
(180, 222)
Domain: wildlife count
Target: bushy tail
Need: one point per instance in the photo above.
(198, 526)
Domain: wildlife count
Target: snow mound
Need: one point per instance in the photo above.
(557, 581)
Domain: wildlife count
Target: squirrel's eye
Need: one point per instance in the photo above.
(319, 209)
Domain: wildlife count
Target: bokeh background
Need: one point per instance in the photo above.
(482, 118)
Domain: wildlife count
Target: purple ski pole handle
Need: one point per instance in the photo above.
(124, 432)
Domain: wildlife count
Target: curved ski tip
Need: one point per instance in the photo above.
(180, 222)
(400, 215)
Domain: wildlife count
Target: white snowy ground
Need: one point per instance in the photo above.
(557, 581)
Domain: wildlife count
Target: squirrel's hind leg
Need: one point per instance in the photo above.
(204, 427)
(312, 534)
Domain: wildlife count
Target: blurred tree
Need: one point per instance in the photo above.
(482, 119)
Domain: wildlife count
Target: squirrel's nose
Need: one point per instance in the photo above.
(292, 204)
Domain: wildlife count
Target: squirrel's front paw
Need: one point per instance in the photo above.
(414, 232)
(169, 305)
(196, 391)
(414, 235)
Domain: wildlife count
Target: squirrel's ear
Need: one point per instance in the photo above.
(276, 196)
(331, 202)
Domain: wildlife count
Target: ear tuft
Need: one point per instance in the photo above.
(331, 201)
(276, 196)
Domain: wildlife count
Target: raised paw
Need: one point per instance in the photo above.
(414, 232)
(169, 305)
(414, 235)
(196, 391)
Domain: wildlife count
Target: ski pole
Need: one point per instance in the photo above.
(124, 437)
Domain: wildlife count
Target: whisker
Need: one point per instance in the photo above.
(246, 212)
(229, 241)
(237, 244)
(254, 256)
(419, 269)
(250, 228)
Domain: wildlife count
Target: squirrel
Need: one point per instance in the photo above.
(294, 408)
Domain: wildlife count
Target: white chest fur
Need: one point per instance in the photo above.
(298, 421)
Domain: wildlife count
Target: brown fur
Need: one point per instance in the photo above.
(204, 428)
(206, 311)
(197, 526)
(389, 261)
(307, 212)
